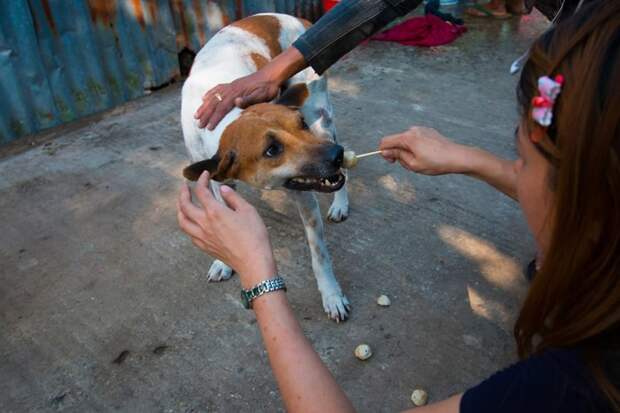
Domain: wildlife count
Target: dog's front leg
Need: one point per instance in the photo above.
(339, 209)
(336, 305)
(219, 270)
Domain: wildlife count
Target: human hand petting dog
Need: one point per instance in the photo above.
(242, 92)
(425, 151)
(258, 87)
(233, 233)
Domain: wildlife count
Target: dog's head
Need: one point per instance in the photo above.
(270, 146)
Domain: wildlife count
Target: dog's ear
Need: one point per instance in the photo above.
(227, 168)
(194, 171)
(219, 168)
(294, 96)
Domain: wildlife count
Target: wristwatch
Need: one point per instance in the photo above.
(267, 286)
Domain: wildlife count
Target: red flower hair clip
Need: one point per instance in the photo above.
(542, 105)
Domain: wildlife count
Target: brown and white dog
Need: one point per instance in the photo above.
(289, 143)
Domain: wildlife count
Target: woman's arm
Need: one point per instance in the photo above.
(235, 234)
(345, 26)
(305, 382)
(336, 33)
(426, 151)
(497, 172)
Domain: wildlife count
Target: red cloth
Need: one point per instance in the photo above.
(425, 31)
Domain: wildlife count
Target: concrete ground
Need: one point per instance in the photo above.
(104, 305)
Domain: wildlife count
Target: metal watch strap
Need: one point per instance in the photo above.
(267, 286)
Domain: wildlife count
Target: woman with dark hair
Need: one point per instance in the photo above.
(567, 182)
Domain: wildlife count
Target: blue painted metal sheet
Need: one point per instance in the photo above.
(64, 59)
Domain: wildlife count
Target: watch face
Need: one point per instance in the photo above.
(244, 300)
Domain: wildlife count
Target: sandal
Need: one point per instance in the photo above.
(478, 10)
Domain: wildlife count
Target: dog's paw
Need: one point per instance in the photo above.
(337, 307)
(219, 271)
(338, 211)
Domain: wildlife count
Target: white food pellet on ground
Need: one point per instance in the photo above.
(384, 301)
(363, 352)
(419, 397)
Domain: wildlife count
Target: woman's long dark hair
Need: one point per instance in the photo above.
(574, 300)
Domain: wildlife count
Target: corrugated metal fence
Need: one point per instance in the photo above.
(64, 59)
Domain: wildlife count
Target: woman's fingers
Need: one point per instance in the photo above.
(241, 103)
(220, 110)
(203, 193)
(257, 96)
(262, 93)
(406, 158)
(188, 226)
(216, 103)
(232, 198)
(396, 153)
(209, 104)
(186, 206)
(393, 142)
(389, 154)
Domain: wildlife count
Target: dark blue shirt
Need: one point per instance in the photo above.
(554, 381)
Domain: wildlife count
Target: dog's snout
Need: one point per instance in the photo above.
(335, 155)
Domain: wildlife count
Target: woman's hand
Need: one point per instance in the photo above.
(425, 151)
(234, 233)
(261, 86)
(242, 92)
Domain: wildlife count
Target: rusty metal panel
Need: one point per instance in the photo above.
(197, 20)
(64, 59)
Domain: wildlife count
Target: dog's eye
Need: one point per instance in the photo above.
(273, 150)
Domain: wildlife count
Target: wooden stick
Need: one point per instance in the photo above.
(363, 155)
